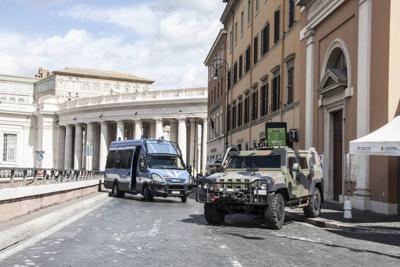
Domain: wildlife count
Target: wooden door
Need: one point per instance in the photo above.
(337, 154)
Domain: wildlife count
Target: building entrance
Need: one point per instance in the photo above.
(337, 154)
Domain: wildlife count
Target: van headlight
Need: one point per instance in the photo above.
(157, 178)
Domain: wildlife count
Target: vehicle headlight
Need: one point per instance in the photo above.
(263, 186)
(157, 178)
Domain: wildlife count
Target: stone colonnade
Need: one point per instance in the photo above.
(86, 144)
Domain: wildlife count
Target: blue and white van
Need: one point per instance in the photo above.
(151, 167)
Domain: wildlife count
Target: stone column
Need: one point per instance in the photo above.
(192, 147)
(159, 128)
(138, 129)
(120, 130)
(78, 147)
(96, 147)
(152, 131)
(61, 147)
(89, 146)
(68, 147)
(309, 123)
(173, 131)
(182, 137)
(361, 196)
(204, 146)
(103, 145)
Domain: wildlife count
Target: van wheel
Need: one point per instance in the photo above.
(275, 212)
(116, 192)
(184, 199)
(147, 196)
(313, 209)
(213, 215)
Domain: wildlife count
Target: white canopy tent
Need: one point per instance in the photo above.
(383, 142)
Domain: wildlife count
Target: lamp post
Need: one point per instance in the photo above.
(221, 64)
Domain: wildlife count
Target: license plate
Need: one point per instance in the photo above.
(260, 192)
(176, 192)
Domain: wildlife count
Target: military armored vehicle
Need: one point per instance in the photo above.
(263, 181)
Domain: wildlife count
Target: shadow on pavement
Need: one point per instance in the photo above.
(155, 200)
(388, 238)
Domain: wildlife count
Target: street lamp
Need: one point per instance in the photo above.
(218, 64)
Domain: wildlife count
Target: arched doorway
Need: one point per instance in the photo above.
(334, 88)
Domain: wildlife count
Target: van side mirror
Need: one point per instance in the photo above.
(296, 167)
(189, 169)
(142, 165)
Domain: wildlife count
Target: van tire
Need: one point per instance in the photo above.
(183, 199)
(147, 196)
(275, 212)
(213, 215)
(313, 209)
(116, 192)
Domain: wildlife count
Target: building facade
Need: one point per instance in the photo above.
(264, 69)
(74, 114)
(351, 60)
(217, 69)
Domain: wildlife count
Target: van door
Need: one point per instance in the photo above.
(134, 169)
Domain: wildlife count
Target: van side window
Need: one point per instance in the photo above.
(117, 160)
(110, 159)
(126, 159)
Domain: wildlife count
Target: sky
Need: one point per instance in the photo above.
(163, 40)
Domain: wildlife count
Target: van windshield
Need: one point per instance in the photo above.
(163, 147)
(166, 162)
(246, 162)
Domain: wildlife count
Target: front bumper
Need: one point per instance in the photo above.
(171, 190)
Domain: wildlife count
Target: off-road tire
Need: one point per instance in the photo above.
(275, 212)
(147, 196)
(183, 199)
(116, 192)
(213, 215)
(313, 209)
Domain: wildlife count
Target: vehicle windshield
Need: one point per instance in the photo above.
(166, 162)
(247, 162)
(162, 147)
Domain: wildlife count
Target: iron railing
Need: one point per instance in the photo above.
(11, 177)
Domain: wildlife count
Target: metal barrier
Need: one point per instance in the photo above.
(11, 177)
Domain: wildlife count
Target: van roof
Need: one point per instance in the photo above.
(125, 144)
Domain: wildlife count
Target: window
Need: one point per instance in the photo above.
(228, 118)
(235, 73)
(291, 13)
(229, 80)
(230, 40)
(276, 92)
(264, 99)
(112, 160)
(290, 83)
(126, 159)
(246, 109)
(254, 100)
(240, 113)
(248, 12)
(236, 32)
(247, 65)
(257, 6)
(234, 116)
(255, 50)
(240, 66)
(10, 148)
(277, 26)
(241, 23)
(265, 39)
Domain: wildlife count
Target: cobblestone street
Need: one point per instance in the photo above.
(131, 232)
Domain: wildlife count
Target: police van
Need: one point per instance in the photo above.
(151, 167)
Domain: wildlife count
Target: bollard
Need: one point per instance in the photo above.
(99, 188)
(347, 209)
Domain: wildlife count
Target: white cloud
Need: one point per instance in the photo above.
(166, 41)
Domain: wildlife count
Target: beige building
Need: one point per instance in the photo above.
(351, 60)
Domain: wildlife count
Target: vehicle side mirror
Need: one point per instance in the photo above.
(189, 168)
(296, 167)
(142, 165)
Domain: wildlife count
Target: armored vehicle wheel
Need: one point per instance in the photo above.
(184, 199)
(313, 209)
(147, 196)
(214, 216)
(275, 213)
(116, 192)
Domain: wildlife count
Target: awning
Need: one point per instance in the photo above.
(385, 141)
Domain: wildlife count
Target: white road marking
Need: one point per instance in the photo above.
(156, 228)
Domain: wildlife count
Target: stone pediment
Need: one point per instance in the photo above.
(334, 80)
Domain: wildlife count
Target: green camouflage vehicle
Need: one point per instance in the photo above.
(263, 182)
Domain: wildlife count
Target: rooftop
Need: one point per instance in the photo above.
(102, 74)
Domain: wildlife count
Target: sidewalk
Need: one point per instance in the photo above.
(332, 217)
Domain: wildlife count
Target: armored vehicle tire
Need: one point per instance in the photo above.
(147, 196)
(275, 212)
(313, 209)
(214, 216)
(116, 192)
(183, 199)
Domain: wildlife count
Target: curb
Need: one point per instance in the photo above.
(324, 223)
(14, 235)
